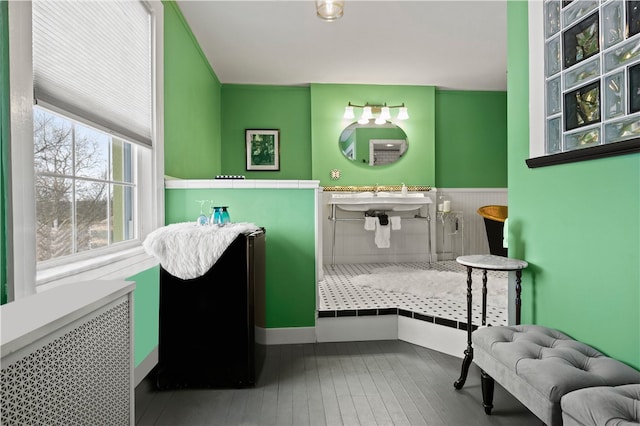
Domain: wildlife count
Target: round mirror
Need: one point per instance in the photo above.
(373, 144)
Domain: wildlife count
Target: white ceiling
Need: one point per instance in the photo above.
(449, 44)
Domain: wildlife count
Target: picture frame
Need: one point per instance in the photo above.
(262, 149)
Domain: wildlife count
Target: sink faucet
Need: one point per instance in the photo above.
(376, 189)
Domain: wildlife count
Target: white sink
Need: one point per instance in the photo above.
(386, 201)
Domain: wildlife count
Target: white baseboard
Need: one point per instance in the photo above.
(285, 335)
(348, 329)
(145, 367)
(383, 327)
(448, 340)
(440, 338)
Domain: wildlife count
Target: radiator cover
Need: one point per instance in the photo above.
(79, 375)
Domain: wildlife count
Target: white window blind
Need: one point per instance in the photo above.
(92, 59)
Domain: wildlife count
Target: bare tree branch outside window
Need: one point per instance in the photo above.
(74, 189)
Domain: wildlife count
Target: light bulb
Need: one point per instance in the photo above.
(366, 113)
(363, 120)
(329, 10)
(403, 114)
(380, 120)
(348, 113)
(384, 113)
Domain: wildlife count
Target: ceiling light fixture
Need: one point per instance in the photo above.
(369, 111)
(329, 10)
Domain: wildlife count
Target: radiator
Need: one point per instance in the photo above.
(75, 366)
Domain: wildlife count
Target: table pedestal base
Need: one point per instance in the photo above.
(492, 263)
(466, 363)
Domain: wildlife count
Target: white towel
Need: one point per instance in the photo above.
(187, 250)
(383, 232)
(370, 223)
(395, 222)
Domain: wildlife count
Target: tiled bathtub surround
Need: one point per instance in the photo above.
(339, 297)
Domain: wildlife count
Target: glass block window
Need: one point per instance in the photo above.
(592, 73)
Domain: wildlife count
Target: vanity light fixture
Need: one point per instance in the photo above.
(382, 111)
(329, 10)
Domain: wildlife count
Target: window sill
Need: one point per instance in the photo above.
(112, 266)
(602, 151)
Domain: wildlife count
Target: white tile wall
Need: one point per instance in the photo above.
(468, 200)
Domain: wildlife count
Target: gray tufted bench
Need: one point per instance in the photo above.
(602, 405)
(539, 365)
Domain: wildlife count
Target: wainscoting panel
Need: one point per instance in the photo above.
(468, 200)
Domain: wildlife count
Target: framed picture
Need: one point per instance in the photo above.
(263, 149)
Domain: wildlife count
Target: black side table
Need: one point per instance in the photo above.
(486, 262)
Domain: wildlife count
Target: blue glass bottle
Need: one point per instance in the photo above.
(216, 218)
(225, 216)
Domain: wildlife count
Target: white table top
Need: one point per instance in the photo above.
(492, 262)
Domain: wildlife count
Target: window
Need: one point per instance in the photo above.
(590, 79)
(86, 162)
(84, 185)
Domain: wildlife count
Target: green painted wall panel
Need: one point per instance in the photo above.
(192, 103)
(288, 216)
(146, 306)
(471, 139)
(576, 224)
(328, 101)
(267, 107)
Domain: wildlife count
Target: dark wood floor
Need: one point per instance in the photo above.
(353, 383)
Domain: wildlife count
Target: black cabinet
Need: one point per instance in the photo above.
(207, 324)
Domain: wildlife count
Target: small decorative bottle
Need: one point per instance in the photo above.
(225, 216)
(202, 219)
(440, 203)
(216, 217)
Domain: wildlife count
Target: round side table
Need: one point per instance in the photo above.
(486, 262)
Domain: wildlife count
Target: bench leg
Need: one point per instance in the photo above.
(487, 384)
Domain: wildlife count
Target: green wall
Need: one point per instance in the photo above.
(577, 226)
(4, 145)
(434, 134)
(288, 216)
(146, 305)
(328, 101)
(267, 107)
(192, 103)
(471, 139)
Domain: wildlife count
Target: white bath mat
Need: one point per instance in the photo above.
(434, 284)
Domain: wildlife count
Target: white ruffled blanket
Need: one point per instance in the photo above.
(187, 250)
